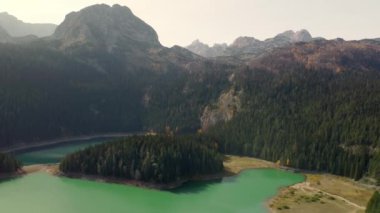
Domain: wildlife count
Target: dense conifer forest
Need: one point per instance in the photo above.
(159, 159)
(8, 164)
(313, 120)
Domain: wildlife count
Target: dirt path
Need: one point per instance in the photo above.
(306, 185)
(48, 168)
(321, 193)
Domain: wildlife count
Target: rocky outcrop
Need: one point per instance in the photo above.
(225, 109)
(302, 36)
(293, 37)
(205, 50)
(4, 36)
(198, 47)
(243, 42)
(18, 28)
(105, 27)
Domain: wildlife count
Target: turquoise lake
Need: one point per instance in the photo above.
(43, 193)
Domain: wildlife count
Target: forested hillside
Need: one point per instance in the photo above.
(45, 94)
(308, 119)
(160, 159)
(70, 84)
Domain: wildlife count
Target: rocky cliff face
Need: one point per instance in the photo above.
(105, 27)
(17, 28)
(224, 110)
(4, 36)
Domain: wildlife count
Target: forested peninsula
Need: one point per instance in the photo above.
(153, 159)
(8, 164)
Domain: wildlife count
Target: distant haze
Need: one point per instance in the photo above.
(217, 21)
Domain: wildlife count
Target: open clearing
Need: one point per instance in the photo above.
(323, 193)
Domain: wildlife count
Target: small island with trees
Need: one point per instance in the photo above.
(152, 161)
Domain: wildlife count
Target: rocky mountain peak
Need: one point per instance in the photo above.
(198, 47)
(105, 26)
(287, 34)
(198, 42)
(294, 37)
(302, 36)
(244, 41)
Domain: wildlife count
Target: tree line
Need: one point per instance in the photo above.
(373, 205)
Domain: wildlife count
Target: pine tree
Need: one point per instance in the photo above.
(374, 204)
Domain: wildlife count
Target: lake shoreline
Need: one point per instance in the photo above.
(142, 184)
(53, 169)
(286, 197)
(233, 165)
(66, 140)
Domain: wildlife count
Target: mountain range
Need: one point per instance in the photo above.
(251, 45)
(293, 98)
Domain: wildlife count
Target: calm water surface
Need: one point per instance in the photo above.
(56, 153)
(42, 193)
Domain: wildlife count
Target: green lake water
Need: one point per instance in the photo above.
(42, 193)
(56, 153)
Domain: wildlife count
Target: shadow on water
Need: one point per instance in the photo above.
(9, 179)
(89, 142)
(194, 187)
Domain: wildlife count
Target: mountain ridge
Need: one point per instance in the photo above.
(18, 28)
(250, 45)
(334, 55)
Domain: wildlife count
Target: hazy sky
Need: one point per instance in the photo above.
(216, 21)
